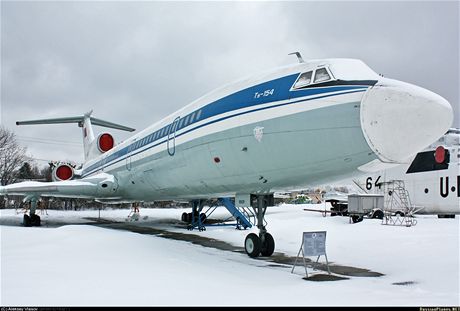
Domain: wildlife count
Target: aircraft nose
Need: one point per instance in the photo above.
(400, 119)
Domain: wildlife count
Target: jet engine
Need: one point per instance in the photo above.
(63, 172)
(105, 142)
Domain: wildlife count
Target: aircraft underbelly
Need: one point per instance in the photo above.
(305, 148)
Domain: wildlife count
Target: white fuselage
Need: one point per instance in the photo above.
(308, 123)
(432, 188)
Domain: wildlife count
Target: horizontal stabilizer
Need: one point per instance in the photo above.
(90, 143)
(78, 120)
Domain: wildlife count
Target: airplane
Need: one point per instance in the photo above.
(432, 178)
(311, 122)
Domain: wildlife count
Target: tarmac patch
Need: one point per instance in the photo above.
(276, 260)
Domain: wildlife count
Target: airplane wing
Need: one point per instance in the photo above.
(98, 186)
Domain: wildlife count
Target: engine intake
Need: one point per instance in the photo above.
(105, 142)
(63, 172)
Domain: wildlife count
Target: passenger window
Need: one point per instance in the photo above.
(321, 75)
(303, 80)
(198, 116)
(186, 120)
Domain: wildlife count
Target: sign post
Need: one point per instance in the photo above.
(313, 244)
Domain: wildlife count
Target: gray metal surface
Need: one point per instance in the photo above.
(364, 203)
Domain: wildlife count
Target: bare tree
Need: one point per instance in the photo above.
(12, 156)
(45, 173)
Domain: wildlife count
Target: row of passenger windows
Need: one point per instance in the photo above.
(183, 122)
(321, 75)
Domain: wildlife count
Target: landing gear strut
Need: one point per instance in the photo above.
(33, 219)
(195, 219)
(263, 244)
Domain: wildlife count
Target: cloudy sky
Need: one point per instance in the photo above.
(136, 62)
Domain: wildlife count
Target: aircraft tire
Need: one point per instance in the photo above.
(35, 220)
(378, 214)
(268, 246)
(252, 245)
(26, 222)
(356, 218)
(401, 214)
(446, 216)
(184, 217)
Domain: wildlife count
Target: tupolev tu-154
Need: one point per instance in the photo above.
(307, 123)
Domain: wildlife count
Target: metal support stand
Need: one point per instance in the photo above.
(397, 200)
(304, 262)
(313, 244)
(241, 216)
(197, 222)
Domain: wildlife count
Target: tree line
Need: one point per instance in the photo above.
(15, 166)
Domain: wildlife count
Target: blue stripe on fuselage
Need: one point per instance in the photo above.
(241, 99)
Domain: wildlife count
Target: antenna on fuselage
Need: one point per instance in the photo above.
(299, 57)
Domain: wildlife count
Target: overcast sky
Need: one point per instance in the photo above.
(136, 62)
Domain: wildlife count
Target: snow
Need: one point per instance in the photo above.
(82, 265)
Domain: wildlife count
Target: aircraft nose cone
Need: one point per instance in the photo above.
(400, 119)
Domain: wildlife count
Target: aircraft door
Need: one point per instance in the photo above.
(172, 137)
(128, 158)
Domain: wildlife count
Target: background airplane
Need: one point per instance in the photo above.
(311, 122)
(432, 178)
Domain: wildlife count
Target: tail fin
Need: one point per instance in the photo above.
(85, 122)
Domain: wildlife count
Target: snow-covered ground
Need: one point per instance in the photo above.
(81, 264)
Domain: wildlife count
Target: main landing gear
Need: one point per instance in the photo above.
(33, 219)
(262, 244)
(196, 218)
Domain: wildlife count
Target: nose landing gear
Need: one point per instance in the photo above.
(262, 244)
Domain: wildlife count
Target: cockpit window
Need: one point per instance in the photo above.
(321, 75)
(303, 80)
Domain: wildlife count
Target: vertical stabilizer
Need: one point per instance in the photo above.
(88, 133)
